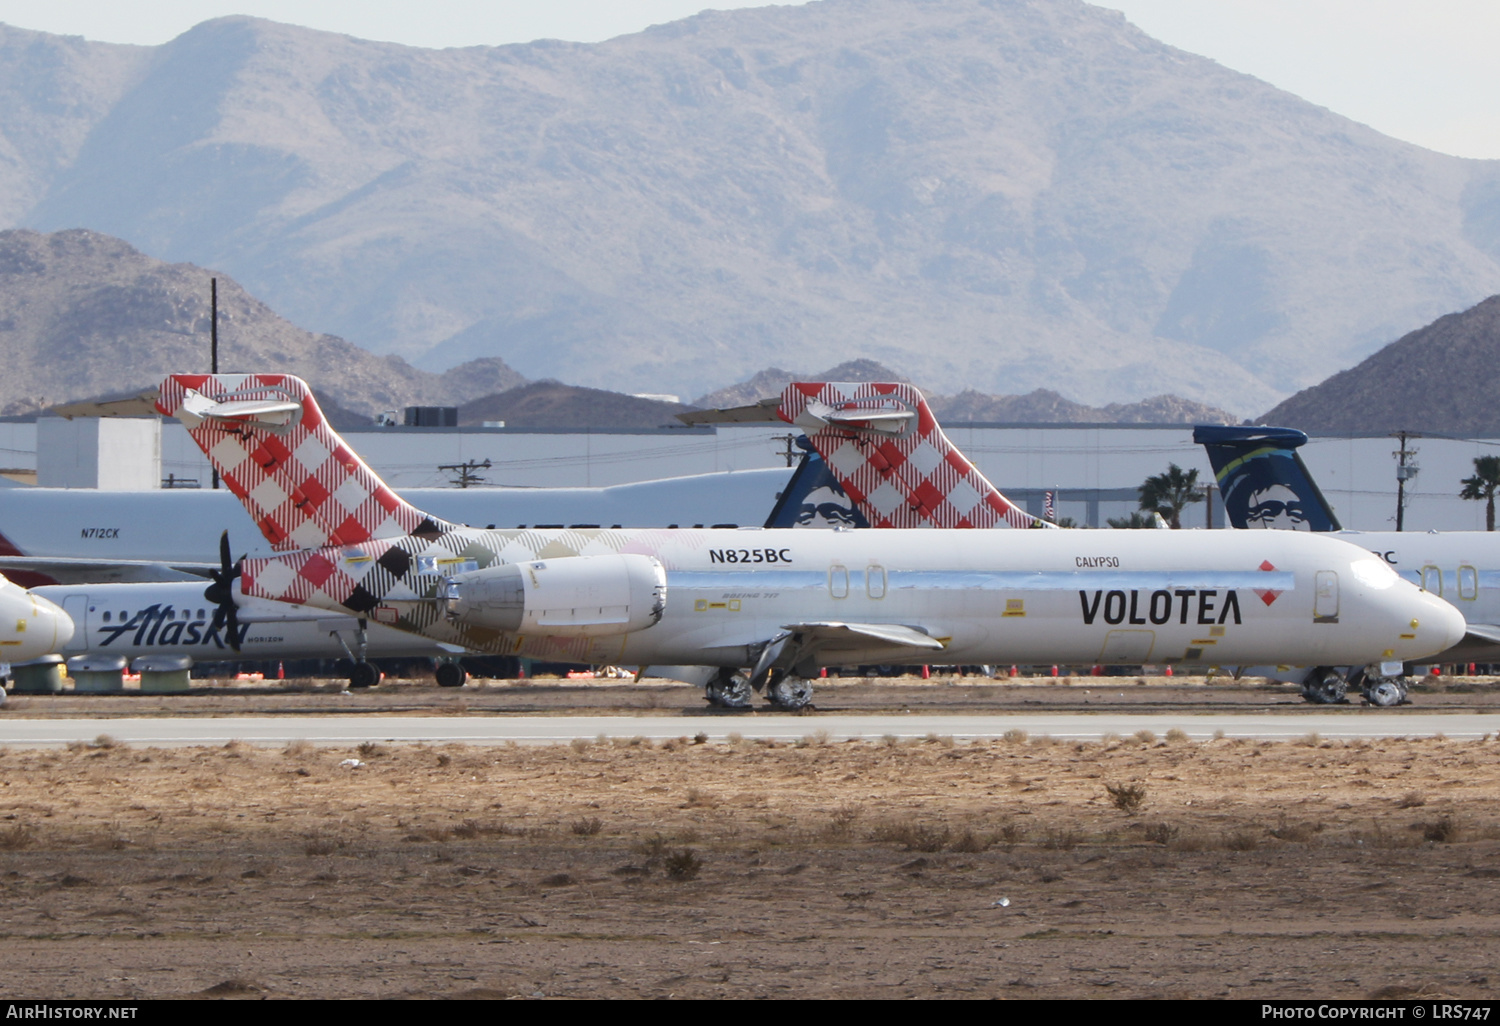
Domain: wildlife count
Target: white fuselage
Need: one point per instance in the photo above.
(183, 525)
(993, 596)
(1460, 566)
(133, 620)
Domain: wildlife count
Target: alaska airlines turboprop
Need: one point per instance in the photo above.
(133, 620)
(1265, 485)
(751, 609)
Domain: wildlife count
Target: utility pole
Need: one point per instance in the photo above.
(788, 452)
(1404, 472)
(213, 340)
(466, 472)
(1208, 503)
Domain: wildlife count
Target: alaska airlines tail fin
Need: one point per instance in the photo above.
(1262, 479)
(884, 447)
(300, 482)
(814, 497)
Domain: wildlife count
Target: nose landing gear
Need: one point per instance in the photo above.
(1383, 692)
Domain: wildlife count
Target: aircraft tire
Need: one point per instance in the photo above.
(1325, 686)
(364, 675)
(789, 693)
(728, 690)
(451, 675)
(1385, 692)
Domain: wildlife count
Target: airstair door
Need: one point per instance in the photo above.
(1326, 597)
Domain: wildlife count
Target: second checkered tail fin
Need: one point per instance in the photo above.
(300, 482)
(885, 448)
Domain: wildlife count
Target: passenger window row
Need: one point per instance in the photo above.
(1465, 582)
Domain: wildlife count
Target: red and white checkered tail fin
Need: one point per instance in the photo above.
(297, 478)
(885, 448)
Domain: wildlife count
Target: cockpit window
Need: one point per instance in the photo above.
(1373, 573)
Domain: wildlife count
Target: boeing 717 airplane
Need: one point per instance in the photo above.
(756, 609)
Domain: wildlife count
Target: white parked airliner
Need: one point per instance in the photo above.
(749, 609)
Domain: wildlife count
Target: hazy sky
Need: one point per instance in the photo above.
(1424, 72)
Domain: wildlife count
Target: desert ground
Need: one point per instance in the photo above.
(1137, 867)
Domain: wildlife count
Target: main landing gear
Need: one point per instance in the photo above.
(363, 674)
(451, 675)
(730, 689)
(789, 692)
(1327, 685)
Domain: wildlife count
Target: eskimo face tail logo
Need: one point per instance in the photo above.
(828, 506)
(1276, 508)
(1263, 481)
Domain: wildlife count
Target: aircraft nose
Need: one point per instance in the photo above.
(1446, 624)
(30, 626)
(56, 625)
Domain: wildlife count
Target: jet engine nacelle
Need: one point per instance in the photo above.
(576, 596)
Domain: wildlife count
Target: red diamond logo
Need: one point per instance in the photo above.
(1267, 595)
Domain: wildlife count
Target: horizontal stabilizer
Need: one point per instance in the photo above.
(142, 405)
(271, 413)
(82, 570)
(881, 418)
(885, 448)
(763, 412)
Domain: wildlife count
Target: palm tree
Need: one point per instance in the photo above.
(1170, 493)
(1482, 485)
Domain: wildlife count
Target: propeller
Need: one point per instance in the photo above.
(221, 594)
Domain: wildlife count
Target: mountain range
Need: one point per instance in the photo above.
(1003, 195)
(1438, 379)
(84, 314)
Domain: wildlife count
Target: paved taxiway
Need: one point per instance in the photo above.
(489, 730)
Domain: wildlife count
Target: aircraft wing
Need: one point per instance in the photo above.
(1481, 644)
(836, 634)
(65, 570)
(798, 647)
